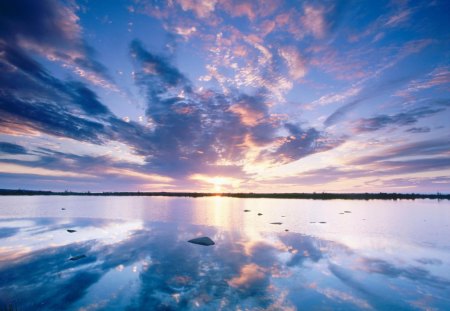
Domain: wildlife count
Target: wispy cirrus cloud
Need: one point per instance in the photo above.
(406, 118)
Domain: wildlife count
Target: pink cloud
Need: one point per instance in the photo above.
(250, 274)
(250, 9)
(267, 27)
(294, 61)
(313, 20)
(398, 18)
(202, 8)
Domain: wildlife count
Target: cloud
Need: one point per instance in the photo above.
(341, 112)
(48, 119)
(169, 273)
(417, 130)
(300, 143)
(314, 20)
(51, 29)
(336, 97)
(362, 288)
(294, 61)
(400, 119)
(418, 165)
(413, 273)
(374, 90)
(432, 147)
(8, 232)
(398, 18)
(249, 9)
(202, 8)
(10, 148)
(252, 279)
(439, 77)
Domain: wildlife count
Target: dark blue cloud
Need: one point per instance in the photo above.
(400, 119)
(155, 66)
(300, 143)
(52, 27)
(30, 80)
(417, 130)
(41, 20)
(8, 232)
(10, 148)
(87, 99)
(48, 118)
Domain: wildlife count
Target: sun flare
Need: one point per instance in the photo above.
(217, 183)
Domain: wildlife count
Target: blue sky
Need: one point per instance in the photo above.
(223, 95)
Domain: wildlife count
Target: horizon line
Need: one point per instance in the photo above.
(274, 195)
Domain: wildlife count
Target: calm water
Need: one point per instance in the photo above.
(382, 255)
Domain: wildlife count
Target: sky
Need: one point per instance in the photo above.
(225, 95)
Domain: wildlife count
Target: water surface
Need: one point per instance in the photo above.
(336, 255)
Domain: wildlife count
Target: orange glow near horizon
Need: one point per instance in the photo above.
(217, 184)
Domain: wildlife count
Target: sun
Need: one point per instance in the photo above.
(218, 183)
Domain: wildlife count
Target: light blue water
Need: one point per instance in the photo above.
(384, 255)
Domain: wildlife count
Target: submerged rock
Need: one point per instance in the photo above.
(205, 241)
(78, 257)
(63, 209)
(286, 230)
(71, 230)
(312, 222)
(259, 214)
(347, 212)
(322, 222)
(276, 223)
(246, 210)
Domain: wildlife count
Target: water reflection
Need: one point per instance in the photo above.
(137, 265)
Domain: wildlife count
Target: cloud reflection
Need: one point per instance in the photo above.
(280, 271)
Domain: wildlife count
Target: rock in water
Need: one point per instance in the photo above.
(259, 214)
(202, 241)
(276, 223)
(246, 210)
(78, 257)
(71, 230)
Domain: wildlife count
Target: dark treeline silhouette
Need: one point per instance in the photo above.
(313, 196)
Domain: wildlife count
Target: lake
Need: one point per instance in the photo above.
(131, 253)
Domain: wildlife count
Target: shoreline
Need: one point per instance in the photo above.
(310, 196)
